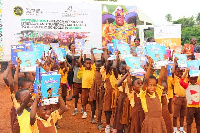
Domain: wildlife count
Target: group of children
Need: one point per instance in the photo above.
(137, 104)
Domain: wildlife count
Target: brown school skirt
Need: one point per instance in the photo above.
(85, 96)
(77, 89)
(193, 113)
(14, 122)
(166, 114)
(180, 104)
(108, 96)
(100, 98)
(118, 112)
(43, 129)
(64, 89)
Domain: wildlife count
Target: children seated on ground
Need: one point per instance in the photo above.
(42, 119)
(193, 99)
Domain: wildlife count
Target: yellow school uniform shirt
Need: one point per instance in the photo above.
(169, 84)
(131, 98)
(24, 122)
(15, 103)
(178, 89)
(47, 123)
(63, 75)
(87, 76)
(143, 94)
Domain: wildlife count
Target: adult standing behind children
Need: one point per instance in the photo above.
(71, 72)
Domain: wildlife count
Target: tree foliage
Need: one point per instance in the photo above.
(198, 18)
(185, 22)
(168, 17)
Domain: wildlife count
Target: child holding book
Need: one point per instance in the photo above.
(193, 99)
(44, 121)
(180, 97)
(150, 96)
(87, 80)
(24, 97)
(64, 68)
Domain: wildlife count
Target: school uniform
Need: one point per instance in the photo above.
(166, 114)
(24, 121)
(77, 80)
(137, 113)
(193, 102)
(46, 126)
(63, 80)
(180, 99)
(87, 80)
(151, 104)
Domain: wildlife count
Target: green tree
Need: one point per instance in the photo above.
(185, 22)
(168, 17)
(189, 32)
(198, 18)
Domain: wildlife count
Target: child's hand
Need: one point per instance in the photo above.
(187, 70)
(165, 57)
(18, 61)
(59, 92)
(38, 96)
(10, 65)
(128, 68)
(31, 90)
(150, 60)
(175, 60)
(91, 50)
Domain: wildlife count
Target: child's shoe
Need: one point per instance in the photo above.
(100, 127)
(93, 121)
(182, 131)
(75, 112)
(84, 115)
(107, 129)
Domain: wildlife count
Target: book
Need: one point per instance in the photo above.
(111, 48)
(150, 43)
(59, 54)
(14, 50)
(97, 49)
(182, 60)
(49, 88)
(28, 45)
(188, 49)
(135, 65)
(54, 45)
(178, 49)
(163, 49)
(36, 83)
(197, 56)
(39, 50)
(169, 68)
(124, 48)
(46, 48)
(112, 57)
(79, 43)
(64, 52)
(141, 51)
(28, 59)
(168, 53)
(86, 50)
(194, 68)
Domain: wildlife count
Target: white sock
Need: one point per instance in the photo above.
(85, 113)
(181, 128)
(75, 109)
(175, 129)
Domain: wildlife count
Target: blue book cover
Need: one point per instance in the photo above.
(155, 52)
(97, 49)
(28, 61)
(79, 43)
(64, 52)
(46, 48)
(54, 45)
(50, 85)
(111, 47)
(14, 50)
(141, 51)
(39, 50)
(150, 43)
(28, 45)
(169, 68)
(194, 68)
(37, 80)
(59, 54)
(124, 48)
(135, 65)
(163, 49)
(182, 60)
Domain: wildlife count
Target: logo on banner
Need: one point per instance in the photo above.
(18, 11)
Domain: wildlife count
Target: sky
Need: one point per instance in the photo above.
(156, 10)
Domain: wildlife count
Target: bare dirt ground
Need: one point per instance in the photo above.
(68, 124)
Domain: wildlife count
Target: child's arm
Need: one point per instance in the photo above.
(174, 66)
(67, 64)
(25, 102)
(62, 108)
(115, 65)
(119, 83)
(147, 75)
(105, 53)
(16, 76)
(166, 74)
(34, 108)
(161, 75)
(185, 73)
(7, 77)
(93, 57)
(79, 61)
(129, 81)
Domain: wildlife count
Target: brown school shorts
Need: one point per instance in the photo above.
(180, 104)
(85, 96)
(77, 89)
(193, 112)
